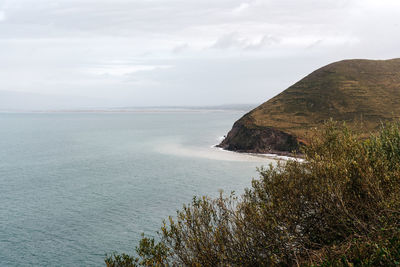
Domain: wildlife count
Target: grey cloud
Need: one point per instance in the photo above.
(180, 48)
(232, 40)
(265, 41)
(136, 52)
(229, 41)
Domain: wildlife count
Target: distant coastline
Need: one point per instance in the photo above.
(150, 109)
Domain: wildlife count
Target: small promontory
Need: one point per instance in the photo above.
(363, 93)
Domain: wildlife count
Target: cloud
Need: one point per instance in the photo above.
(184, 50)
(265, 41)
(180, 48)
(241, 8)
(121, 70)
(2, 16)
(231, 40)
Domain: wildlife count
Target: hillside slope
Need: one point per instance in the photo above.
(360, 92)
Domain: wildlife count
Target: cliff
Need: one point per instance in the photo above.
(359, 92)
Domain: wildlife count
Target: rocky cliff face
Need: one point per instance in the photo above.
(259, 140)
(361, 92)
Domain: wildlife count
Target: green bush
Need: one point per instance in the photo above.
(339, 207)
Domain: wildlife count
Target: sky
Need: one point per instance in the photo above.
(117, 53)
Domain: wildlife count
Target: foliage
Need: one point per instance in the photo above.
(149, 252)
(339, 207)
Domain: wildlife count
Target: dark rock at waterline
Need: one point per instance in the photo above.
(259, 140)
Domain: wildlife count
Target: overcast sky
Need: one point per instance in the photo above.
(182, 52)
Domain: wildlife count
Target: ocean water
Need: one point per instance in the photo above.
(75, 186)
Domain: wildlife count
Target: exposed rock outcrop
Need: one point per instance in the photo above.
(259, 140)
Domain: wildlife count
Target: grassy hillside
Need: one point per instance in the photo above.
(360, 92)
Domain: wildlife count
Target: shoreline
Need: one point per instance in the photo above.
(273, 156)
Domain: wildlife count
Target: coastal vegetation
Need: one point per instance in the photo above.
(338, 207)
(360, 92)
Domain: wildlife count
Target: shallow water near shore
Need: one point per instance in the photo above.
(74, 186)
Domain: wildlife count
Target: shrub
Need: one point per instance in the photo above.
(150, 253)
(339, 207)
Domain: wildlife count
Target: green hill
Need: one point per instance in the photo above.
(360, 92)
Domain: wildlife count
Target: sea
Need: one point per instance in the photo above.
(75, 186)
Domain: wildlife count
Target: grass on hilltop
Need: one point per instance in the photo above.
(356, 91)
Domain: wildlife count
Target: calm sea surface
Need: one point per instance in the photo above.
(75, 186)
